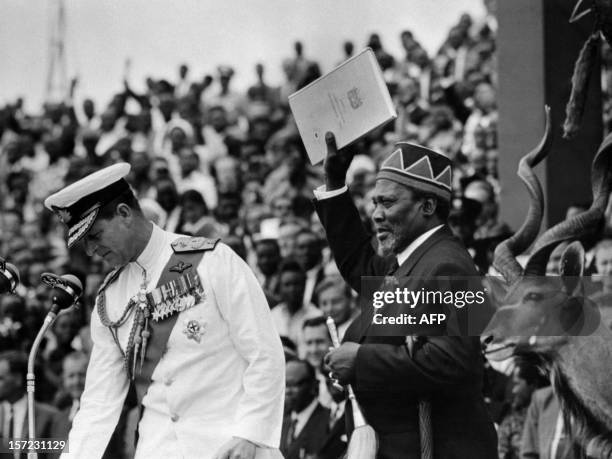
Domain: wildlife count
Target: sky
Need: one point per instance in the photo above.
(158, 35)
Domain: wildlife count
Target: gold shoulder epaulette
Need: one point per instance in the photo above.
(193, 244)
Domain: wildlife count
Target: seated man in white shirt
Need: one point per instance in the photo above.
(290, 314)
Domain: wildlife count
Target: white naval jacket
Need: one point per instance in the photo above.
(229, 384)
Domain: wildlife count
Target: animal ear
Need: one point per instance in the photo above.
(571, 315)
(572, 266)
(497, 289)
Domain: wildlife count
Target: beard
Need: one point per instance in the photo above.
(387, 246)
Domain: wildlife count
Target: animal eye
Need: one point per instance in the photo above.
(533, 296)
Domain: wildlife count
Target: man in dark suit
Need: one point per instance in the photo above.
(13, 402)
(306, 425)
(389, 374)
(335, 442)
(308, 253)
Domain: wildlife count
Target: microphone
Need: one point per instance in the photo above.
(66, 290)
(9, 277)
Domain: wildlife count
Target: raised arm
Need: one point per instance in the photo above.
(349, 241)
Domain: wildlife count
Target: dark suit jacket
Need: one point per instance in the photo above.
(335, 443)
(44, 417)
(539, 428)
(319, 278)
(310, 438)
(448, 370)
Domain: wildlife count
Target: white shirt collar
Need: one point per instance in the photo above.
(22, 402)
(303, 416)
(152, 251)
(404, 254)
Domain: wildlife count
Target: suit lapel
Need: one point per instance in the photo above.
(302, 439)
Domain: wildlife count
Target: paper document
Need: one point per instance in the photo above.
(349, 101)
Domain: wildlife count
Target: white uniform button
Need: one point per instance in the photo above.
(174, 417)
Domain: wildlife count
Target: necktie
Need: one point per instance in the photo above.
(10, 421)
(291, 433)
(393, 268)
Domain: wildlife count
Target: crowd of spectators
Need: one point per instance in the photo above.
(211, 161)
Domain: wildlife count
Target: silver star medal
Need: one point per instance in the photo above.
(194, 329)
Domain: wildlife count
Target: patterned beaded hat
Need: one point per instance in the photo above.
(420, 168)
(78, 204)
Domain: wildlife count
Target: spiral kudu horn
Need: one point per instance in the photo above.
(504, 259)
(582, 224)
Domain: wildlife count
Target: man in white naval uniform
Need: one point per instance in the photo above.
(217, 390)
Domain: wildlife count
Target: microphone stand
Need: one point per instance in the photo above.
(31, 378)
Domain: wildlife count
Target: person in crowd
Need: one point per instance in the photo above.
(348, 49)
(480, 127)
(268, 263)
(385, 60)
(603, 265)
(488, 222)
(260, 91)
(74, 368)
(168, 198)
(316, 341)
(336, 440)
(223, 95)
(195, 218)
(526, 378)
(64, 331)
(13, 401)
(182, 86)
(287, 232)
(390, 374)
(314, 347)
(12, 314)
(289, 315)
(308, 253)
(545, 435)
(307, 421)
(140, 176)
(412, 112)
(335, 299)
(295, 176)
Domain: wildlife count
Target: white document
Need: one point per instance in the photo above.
(349, 101)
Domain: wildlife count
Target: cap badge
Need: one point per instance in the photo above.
(63, 213)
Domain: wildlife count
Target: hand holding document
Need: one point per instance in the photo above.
(349, 101)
